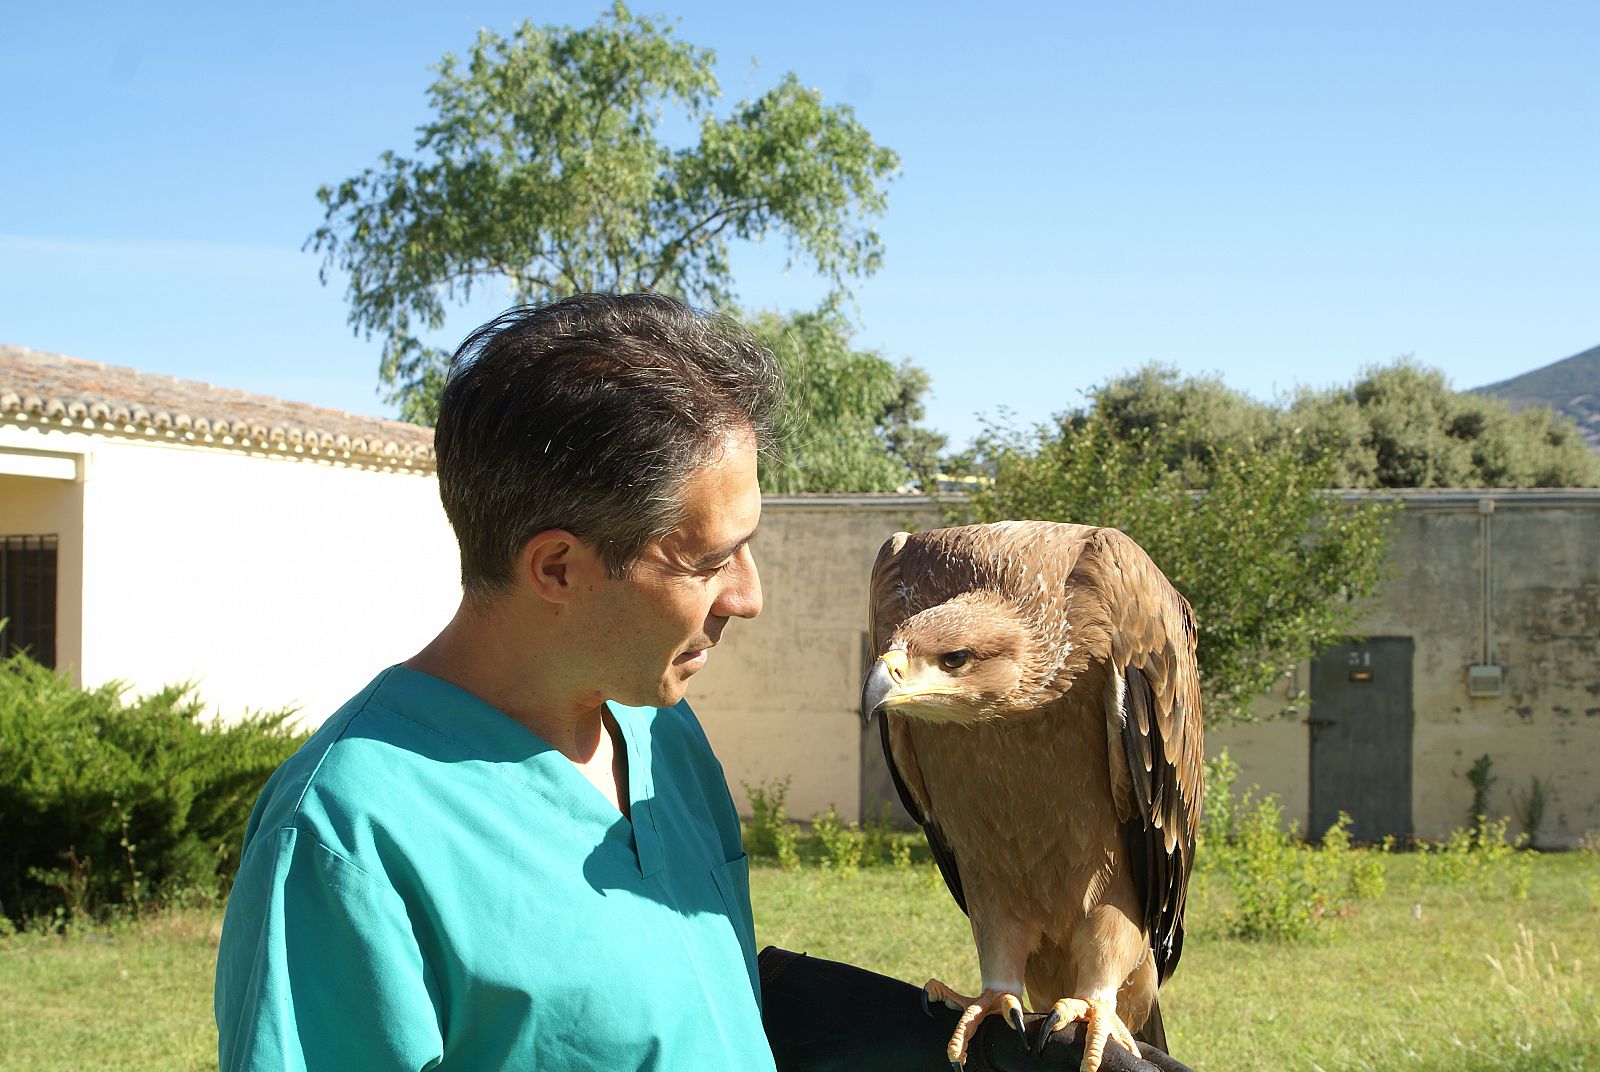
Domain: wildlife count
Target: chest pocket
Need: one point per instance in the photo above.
(733, 882)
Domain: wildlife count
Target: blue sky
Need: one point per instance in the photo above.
(1277, 193)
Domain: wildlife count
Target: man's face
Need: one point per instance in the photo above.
(657, 624)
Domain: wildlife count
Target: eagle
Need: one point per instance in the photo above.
(1040, 713)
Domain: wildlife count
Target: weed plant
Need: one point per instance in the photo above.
(1482, 858)
(842, 843)
(1531, 807)
(832, 845)
(769, 833)
(1481, 780)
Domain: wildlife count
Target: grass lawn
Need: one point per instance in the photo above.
(1390, 985)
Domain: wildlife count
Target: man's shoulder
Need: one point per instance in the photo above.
(364, 760)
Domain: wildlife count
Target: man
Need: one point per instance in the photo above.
(516, 849)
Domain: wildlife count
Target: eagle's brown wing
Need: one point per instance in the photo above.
(886, 612)
(1153, 729)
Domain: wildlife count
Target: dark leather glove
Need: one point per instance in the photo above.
(823, 1016)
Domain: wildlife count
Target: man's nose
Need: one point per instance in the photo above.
(742, 597)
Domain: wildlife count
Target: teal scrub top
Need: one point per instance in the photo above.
(428, 885)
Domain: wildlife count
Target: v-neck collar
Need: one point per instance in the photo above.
(465, 718)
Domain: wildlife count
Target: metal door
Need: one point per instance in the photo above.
(1360, 722)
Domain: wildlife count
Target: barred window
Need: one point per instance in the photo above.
(28, 597)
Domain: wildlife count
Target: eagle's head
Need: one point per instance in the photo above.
(969, 658)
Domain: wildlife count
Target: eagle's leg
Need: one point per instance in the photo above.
(973, 1012)
(1103, 1024)
(1003, 947)
(1101, 951)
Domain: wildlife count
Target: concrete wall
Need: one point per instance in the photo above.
(780, 697)
(1518, 586)
(270, 582)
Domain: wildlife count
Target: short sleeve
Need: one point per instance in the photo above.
(319, 967)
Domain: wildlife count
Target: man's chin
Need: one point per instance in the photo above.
(673, 688)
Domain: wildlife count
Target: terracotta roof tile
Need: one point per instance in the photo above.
(68, 392)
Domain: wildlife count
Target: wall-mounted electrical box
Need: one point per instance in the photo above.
(1485, 679)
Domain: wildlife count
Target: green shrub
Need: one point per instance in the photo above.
(884, 844)
(1482, 858)
(1280, 886)
(1369, 871)
(1357, 874)
(842, 843)
(111, 803)
(769, 832)
(1217, 813)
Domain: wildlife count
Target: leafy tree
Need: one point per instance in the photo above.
(1396, 426)
(1272, 563)
(853, 415)
(917, 446)
(543, 168)
(1401, 426)
(1196, 415)
(1229, 495)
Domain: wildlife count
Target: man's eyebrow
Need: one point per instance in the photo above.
(711, 558)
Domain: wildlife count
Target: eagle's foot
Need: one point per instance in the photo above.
(973, 1012)
(1103, 1024)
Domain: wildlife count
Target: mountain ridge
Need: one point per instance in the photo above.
(1570, 386)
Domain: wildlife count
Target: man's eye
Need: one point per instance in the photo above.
(954, 660)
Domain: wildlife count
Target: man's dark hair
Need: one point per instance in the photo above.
(589, 414)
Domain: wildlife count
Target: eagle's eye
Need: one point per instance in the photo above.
(954, 660)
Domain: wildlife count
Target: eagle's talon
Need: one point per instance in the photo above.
(1047, 1029)
(1102, 1025)
(1014, 1014)
(973, 1012)
(927, 1010)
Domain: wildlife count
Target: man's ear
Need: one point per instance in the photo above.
(557, 565)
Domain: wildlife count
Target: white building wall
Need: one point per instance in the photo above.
(269, 582)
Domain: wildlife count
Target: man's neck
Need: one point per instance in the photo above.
(473, 653)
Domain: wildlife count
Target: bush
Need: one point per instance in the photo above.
(882, 843)
(1217, 814)
(1483, 858)
(769, 831)
(833, 844)
(1280, 888)
(842, 843)
(111, 803)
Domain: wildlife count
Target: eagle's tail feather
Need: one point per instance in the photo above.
(1154, 1031)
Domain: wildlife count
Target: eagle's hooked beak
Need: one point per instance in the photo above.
(885, 677)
